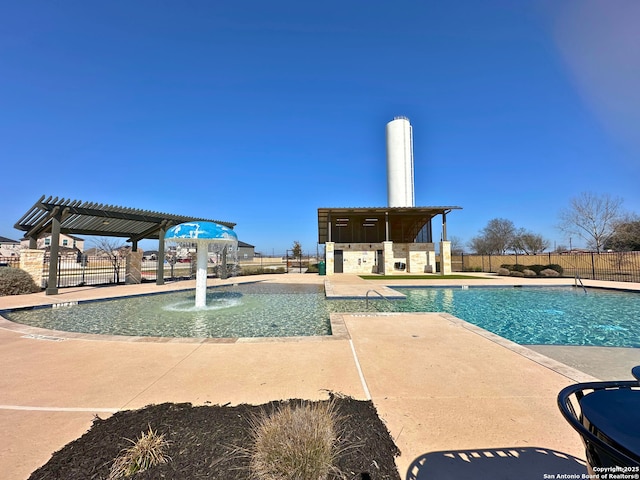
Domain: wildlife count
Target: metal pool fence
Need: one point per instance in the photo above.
(10, 262)
(100, 270)
(612, 266)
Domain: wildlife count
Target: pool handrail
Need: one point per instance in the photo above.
(598, 452)
(579, 279)
(366, 297)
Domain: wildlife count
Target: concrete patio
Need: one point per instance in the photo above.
(454, 397)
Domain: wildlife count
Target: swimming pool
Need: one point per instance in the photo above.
(537, 315)
(248, 310)
(529, 316)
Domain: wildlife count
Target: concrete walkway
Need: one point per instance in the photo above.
(454, 397)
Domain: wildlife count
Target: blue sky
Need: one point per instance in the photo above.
(260, 112)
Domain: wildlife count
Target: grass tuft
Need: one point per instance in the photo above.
(295, 442)
(432, 276)
(146, 452)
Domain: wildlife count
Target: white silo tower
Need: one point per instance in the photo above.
(400, 163)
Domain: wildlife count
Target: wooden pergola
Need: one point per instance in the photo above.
(59, 215)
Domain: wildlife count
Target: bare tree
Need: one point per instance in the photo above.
(626, 235)
(115, 251)
(496, 238)
(592, 217)
(456, 245)
(529, 243)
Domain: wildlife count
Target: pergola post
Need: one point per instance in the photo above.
(386, 226)
(444, 226)
(52, 283)
(160, 269)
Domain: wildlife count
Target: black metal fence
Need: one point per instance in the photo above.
(101, 270)
(612, 266)
(10, 262)
(84, 270)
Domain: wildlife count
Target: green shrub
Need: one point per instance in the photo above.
(146, 452)
(296, 443)
(313, 268)
(514, 267)
(537, 268)
(260, 270)
(14, 281)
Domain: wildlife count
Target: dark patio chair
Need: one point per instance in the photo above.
(607, 417)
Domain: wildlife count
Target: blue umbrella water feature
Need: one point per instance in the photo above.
(206, 237)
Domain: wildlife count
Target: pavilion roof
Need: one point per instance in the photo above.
(91, 218)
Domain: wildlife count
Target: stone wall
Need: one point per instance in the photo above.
(330, 262)
(417, 258)
(32, 261)
(359, 258)
(362, 258)
(133, 268)
(445, 258)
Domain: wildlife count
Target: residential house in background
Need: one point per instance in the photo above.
(246, 252)
(9, 248)
(66, 242)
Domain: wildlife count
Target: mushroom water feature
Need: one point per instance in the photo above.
(207, 237)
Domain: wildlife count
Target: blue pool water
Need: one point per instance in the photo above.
(534, 315)
(249, 310)
(537, 315)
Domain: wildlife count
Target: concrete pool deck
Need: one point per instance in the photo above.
(454, 397)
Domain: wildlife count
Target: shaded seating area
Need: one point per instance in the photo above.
(55, 216)
(607, 417)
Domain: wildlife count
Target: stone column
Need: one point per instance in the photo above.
(32, 261)
(329, 248)
(445, 258)
(431, 261)
(133, 268)
(387, 253)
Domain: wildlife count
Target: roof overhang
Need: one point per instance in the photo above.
(404, 222)
(89, 218)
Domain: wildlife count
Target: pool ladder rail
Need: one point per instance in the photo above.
(374, 291)
(578, 279)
